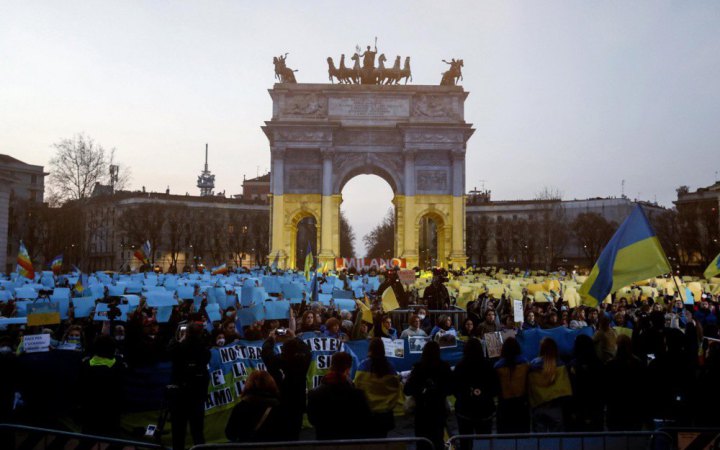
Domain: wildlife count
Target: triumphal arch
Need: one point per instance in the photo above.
(414, 137)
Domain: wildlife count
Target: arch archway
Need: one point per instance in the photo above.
(414, 137)
(367, 204)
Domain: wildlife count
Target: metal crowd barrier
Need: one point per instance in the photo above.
(650, 440)
(343, 444)
(693, 438)
(400, 317)
(21, 437)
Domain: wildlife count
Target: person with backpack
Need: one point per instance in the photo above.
(429, 383)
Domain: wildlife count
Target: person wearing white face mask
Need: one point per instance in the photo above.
(218, 339)
(426, 323)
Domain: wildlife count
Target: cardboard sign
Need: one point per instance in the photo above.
(36, 343)
(493, 344)
(394, 348)
(407, 276)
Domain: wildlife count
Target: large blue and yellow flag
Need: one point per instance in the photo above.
(713, 269)
(633, 254)
(308, 262)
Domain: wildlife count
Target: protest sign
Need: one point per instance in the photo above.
(493, 344)
(36, 343)
(279, 309)
(518, 314)
(43, 313)
(417, 343)
(406, 276)
(394, 348)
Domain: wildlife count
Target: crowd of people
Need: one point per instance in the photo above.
(637, 360)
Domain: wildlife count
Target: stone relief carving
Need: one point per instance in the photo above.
(305, 105)
(301, 135)
(432, 180)
(367, 138)
(434, 106)
(304, 179)
(302, 156)
(433, 138)
(432, 159)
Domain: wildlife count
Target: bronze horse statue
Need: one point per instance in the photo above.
(454, 74)
(283, 73)
(405, 72)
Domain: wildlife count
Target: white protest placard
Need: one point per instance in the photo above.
(518, 311)
(36, 343)
(394, 348)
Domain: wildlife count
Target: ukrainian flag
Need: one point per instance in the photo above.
(633, 254)
(308, 262)
(383, 393)
(714, 268)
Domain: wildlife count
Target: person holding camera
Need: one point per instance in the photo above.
(188, 391)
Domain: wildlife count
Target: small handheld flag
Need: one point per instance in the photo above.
(633, 254)
(56, 264)
(24, 264)
(220, 270)
(389, 300)
(713, 269)
(308, 262)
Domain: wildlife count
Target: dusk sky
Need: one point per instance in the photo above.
(576, 96)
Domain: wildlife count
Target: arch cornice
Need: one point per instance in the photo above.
(386, 166)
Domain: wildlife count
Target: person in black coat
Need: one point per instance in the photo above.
(188, 391)
(102, 386)
(475, 386)
(436, 296)
(430, 382)
(337, 409)
(259, 417)
(626, 404)
(289, 369)
(586, 375)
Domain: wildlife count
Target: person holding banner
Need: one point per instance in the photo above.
(377, 377)
(548, 389)
(513, 415)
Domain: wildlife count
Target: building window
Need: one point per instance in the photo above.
(33, 179)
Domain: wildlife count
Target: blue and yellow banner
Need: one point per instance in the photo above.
(713, 269)
(633, 254)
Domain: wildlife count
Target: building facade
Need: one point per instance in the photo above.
(698, 215)
(538, 233)
(21, 191)
(185, 232)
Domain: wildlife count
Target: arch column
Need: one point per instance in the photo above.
(407, 232)
(278, 244)
(330, 206)
(458, 257)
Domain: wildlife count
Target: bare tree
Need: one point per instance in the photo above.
(177, 232)
(142, 223)
(592, 232)
(347, 237)
(79, 163)
(380, 241)
(479, 231)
